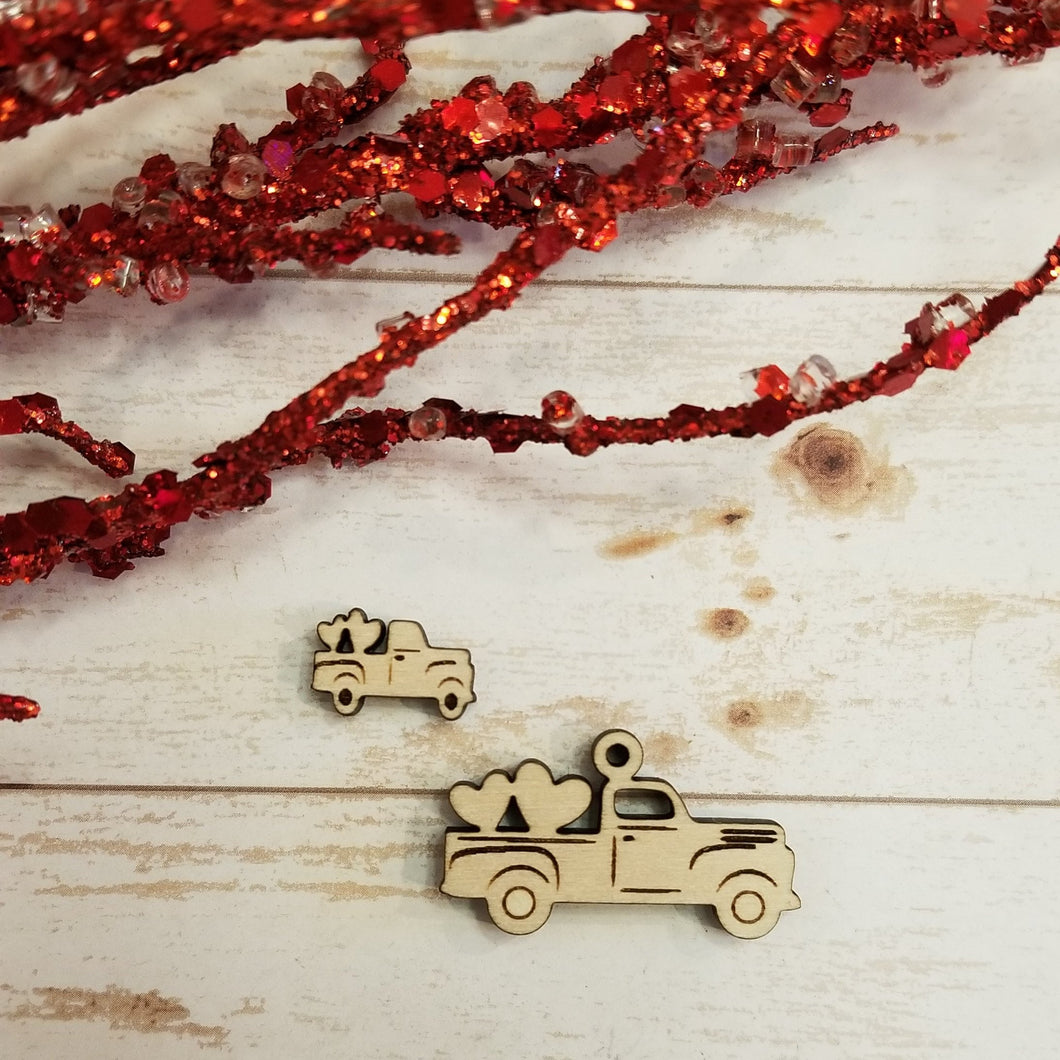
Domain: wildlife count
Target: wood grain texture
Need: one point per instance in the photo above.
(852, 628)
(912, 619)
(924, 931)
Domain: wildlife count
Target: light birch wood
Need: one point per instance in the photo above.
(870, 654)
(365, 658)
(642, 847)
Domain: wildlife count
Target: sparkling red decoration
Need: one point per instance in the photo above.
(17, 708)
(697, 69)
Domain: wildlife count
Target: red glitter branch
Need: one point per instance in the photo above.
(17, 708)
(39, 414)
(693, 72)
(673, 86)
(109, 532)
(65, 57)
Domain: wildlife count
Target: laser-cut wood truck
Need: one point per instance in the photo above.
(365, 658)
(522, 854)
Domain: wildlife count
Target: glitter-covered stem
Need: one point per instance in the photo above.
(109, 532)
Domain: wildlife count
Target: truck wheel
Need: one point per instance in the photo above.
(347, 702)
(746, 907)
(519, 901)
(450, 707)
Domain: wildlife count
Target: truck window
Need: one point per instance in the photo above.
(643, 804)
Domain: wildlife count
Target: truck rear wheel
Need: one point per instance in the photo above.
(520, 900)
(746, 906)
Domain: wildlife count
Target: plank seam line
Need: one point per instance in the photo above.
(418, 277)
(391, 793)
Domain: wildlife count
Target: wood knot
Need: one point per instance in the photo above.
(838, 472)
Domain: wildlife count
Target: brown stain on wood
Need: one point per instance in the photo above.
(730, 517)
(725, 623)
(666, 749)
(760, 590)
(833, 470)
(744, 719)
(640, 542)
(637, 543)
(121, 1010)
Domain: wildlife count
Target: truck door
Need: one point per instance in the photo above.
(645, 841)
(406, 663)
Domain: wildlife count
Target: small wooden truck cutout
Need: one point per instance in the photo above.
(364, 658)
(645, 847)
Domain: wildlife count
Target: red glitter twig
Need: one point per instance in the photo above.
(17, 708)
(39, 414)
(671, 86)
(115, 530)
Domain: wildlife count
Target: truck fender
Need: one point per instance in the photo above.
(717, 847)
(503, 857)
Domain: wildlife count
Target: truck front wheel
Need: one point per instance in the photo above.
(520, 900)
(347, 701)
(747, 906)
(451, 706)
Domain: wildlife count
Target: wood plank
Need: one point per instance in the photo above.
(306, 923)
(900, 634)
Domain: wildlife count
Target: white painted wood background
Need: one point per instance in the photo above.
(198, 852)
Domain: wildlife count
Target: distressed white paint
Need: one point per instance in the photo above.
(923, 933)
(910, 654)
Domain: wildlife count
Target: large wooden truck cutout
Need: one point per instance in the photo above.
(363, 658)
(522, 855)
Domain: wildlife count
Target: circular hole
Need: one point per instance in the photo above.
(617, 754)
(345, 697)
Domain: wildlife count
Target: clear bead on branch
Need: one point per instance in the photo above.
(244, 178)
(129, 195)
(791, 150)
(11, 218)
(46, 80)
(561, 412)
(427, 423)
(811, 379)
(167, 282)
(755, 139)
(45, 223)
(194, 178)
